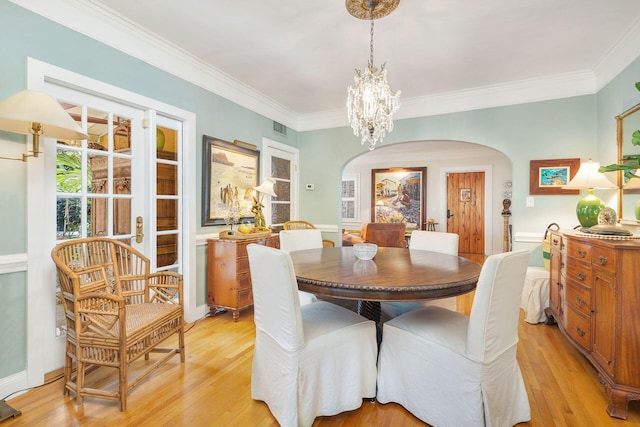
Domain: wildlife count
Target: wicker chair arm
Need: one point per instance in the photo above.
(99, 312)
(166, 287)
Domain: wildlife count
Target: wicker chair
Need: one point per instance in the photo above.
(116, 312)
(299, 224)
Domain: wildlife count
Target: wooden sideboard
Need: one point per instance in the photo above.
(228, 277)
(595, 300)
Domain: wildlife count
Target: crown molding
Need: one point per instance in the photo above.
(623, 52)
(102, 24)
(519, 92)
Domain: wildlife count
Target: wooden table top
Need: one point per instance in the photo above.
(395, 274)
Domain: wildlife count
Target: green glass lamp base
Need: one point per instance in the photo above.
(638, 210)
(588, 209)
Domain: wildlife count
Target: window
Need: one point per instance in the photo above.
(350, 197)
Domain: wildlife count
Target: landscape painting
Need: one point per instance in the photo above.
(399, 195)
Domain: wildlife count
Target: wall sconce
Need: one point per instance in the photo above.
(588, 178)
(38, 114)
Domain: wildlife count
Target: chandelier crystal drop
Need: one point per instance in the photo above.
(371, 103)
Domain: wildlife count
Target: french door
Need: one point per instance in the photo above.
(280, 162)
(123, 182)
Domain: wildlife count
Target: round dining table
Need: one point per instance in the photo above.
(394, 274)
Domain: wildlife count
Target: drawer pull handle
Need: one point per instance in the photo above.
(582, 253)
(555, 242)
(581, 275)
(560, 285)
(602, 260)
(580, 331)
(581, 301)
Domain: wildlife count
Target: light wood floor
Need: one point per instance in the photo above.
(212, 388)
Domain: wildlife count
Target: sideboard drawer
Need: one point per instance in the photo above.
(579, 328)
(579, 250)
(579, 297)
(604, 258)
(579, 272)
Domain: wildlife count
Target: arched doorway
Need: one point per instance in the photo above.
(439, 157)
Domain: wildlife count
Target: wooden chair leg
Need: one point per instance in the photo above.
(79, 381)
(122, 372)
(68, 368)
(181, 343)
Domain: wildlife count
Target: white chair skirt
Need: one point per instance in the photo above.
(332, 373)
(446, 388)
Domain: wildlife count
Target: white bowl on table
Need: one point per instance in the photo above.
(365, 251)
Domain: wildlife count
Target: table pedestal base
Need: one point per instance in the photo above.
(370, 309)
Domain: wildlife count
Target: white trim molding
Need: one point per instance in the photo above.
(13, 263)
(104, 25)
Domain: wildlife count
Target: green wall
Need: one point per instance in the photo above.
(574, 127)
(564, 128)
(25, 34)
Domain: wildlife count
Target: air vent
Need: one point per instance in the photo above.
(280, 128)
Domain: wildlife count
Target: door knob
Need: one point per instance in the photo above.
(449, 214)
(139, 234)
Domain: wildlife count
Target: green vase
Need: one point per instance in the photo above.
(588, 209)
(638, 210)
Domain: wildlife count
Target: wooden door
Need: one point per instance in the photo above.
(465, 210)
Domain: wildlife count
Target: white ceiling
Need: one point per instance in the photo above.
(299, 56)
(302, 54)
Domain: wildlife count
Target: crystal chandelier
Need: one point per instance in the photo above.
(371, 103)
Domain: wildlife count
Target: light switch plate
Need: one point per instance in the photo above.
(530, 202)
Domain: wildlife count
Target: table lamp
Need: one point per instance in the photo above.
(30, 112)
(589, 178)
(265, 188)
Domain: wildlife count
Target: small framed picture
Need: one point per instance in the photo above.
(547, 177)
(465, 194)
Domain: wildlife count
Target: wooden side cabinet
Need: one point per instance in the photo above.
(595, 299)
(228, 276)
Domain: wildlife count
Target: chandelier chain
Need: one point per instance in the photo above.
(370, 102)
(371, 43)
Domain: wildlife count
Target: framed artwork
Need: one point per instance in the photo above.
(465, 194)
(229, 174)
(546, 177)
(399, 195)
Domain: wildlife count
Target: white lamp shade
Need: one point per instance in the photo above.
(267, 187)
(20, 111)
(588, 177)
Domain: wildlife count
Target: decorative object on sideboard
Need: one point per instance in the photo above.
(30, 112)
(588, 178)
(371, 102)
(265, 188)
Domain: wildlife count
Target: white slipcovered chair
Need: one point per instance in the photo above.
(452, 370)
(436, 241)
(299, 240)
(446, 243)
(313, 360)
(535, 295)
